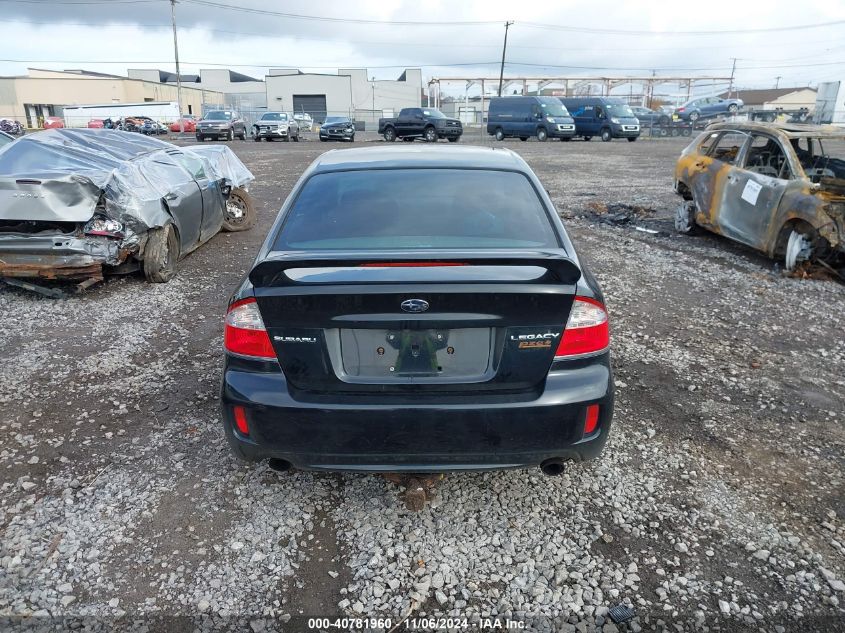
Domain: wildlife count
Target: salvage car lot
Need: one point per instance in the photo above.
(718, 498)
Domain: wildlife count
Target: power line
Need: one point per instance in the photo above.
(579, 29)
(268, 33)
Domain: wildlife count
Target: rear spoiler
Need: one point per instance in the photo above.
(271, 271)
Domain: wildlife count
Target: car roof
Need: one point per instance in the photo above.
(789, 130)
(422, 156)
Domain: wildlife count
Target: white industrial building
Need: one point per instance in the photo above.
(348, 93)
(239, 91)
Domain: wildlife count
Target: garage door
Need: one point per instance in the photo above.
(315, 105)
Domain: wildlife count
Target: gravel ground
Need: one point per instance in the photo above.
(718, 504)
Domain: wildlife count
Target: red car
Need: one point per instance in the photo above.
(52, 122)
(189, 124)
(95, 124)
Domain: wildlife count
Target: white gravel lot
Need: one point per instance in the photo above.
(717, 505)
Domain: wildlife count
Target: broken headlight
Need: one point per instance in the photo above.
(99, 225)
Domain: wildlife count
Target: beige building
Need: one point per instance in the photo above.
(774, 98)
(43, 93)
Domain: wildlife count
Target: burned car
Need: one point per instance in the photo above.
(78, 203)
(779, 188)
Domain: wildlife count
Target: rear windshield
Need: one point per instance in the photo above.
(416, 209)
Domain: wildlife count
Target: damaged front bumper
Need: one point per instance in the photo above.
(58, 257)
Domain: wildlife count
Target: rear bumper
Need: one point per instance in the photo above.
(427, 435)
(57, 257)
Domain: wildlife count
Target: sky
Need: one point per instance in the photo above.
(459, 38)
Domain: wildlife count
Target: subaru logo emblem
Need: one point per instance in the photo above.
(414, 305)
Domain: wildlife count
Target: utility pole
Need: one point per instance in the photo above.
(731, 85)
(178, 73)
(373, 85)
(504, 48)
(777, 80)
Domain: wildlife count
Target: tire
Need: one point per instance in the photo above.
(200, 138)
(685, 218)
(799, 248)
(256, 138)
(389, 134)
(430, 135)
(240, 211)
(694, 116)
(542, 135)
(322, 139)
(243, 134)
(352, 139)
(686, 131)
(453, 139)
(500, 134)
(161, 254)
(733, 109)
(663, 132)
(230, 135)
(632, 139)
(296, 138)
(606, 135)
(664, 120)
(675, 131)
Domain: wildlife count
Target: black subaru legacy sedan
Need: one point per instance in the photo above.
(417, 309)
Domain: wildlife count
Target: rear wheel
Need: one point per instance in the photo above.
(243, 135)
(240, 211)
(160, 254)
(389, 135)
(230, 135)
(430, 135)
(256, 137)
(799, 249)
(500, 134)
(733, 109)
(542, 135)
(606, 135)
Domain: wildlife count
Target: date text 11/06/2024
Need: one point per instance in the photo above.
(417, 624)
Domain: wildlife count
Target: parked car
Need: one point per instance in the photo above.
(306, 122)
(53, 123)
(383, 331)
(607, 117)
(152, 128)
(524, 117)
(12, 127)
(276, 125)
(78, 203)
(5, 138)
(96, 124)
(778, 188)
(707, 107)
(429, 124)
(221, 124)
(188, 124)
(649, 117)
(337, 128)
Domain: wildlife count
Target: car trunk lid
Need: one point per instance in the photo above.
(64, 198)
(394, 322)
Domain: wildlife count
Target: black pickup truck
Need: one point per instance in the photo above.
(425, 123)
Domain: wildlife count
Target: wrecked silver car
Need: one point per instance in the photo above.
(779, 188)
(78, 203)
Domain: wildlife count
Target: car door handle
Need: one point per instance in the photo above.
(171, 196)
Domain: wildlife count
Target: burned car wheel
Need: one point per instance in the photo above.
(799, 248)
(685, 218)
(240, 211)
(161, 254)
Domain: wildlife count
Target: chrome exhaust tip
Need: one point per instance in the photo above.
(553, 467)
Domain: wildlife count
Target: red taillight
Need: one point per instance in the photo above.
(591, 421)
(240, 420)
(586, 330)
(245, 334)
(409, 264)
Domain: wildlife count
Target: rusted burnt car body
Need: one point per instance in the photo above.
(779, 188)
(77, 203)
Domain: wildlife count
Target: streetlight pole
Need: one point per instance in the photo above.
(178, 73)
(731, 85)
(504, 48)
